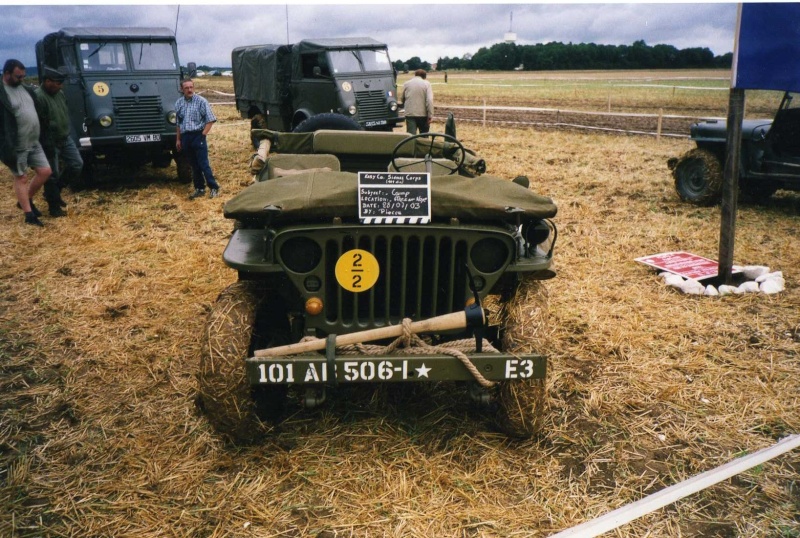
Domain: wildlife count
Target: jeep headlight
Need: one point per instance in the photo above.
(352, 110)
(105, 120)
(172, 117)
(300, 254)
(489, 255)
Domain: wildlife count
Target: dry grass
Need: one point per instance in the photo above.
(102, 313)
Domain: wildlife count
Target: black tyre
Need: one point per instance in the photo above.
(183, 165)
(327, 120)
(233, 331)
(698, 177)
(520, 403)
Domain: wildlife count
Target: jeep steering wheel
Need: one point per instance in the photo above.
(428, 158)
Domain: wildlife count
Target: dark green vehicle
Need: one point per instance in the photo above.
(121, 87)
(286, 85)
(769, 157)
(326, 265)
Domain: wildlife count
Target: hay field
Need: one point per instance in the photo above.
(101, 315)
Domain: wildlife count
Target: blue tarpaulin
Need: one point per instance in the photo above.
(767, 50)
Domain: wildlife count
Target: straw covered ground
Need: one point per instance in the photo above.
(102, 312)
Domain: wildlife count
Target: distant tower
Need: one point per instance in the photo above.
(510, 36)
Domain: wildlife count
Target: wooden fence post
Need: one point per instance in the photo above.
(484, 112)
(660, 117)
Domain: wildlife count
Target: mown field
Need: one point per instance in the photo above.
(102, 312)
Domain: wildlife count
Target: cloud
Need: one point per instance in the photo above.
(208, 32)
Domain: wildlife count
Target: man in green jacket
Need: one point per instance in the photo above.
(55, 139)
(19, 138)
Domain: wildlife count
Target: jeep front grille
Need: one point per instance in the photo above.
(371, 105)
(423, 272)
(139, 115)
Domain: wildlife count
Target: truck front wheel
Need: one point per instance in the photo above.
(234, 329)
(519, 403)
(698, 177)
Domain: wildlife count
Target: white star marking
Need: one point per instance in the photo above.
(422, 371)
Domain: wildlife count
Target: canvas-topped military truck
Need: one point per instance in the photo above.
(315, 270)
(285, 85)
(769, 157)
(121, 88)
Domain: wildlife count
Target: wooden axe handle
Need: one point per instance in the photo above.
(456, 320)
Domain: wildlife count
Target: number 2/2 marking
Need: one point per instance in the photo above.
(357, 270)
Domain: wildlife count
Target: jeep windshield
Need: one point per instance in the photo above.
(153, 56)
(357, 61)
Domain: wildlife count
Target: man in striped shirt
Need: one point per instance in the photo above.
(195, 119)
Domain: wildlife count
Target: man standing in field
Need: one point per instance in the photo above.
(19, 139)
(418, 103)
(195, 119)
(56, 141)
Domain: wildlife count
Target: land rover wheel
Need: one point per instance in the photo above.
(519, 403)
(183, 165)
(233, 331)
(327, 120)
(698, 177)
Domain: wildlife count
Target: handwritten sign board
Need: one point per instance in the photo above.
(682, 263)
(394, 197)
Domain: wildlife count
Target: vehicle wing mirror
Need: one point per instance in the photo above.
(317, 71)
(191, 69)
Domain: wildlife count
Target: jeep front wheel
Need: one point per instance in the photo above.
(698, 177)
(232, 332)
(520, 403)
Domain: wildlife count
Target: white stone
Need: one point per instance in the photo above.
(724, 289)
(673, 280)
(767, 276)
(692, 287)
(711, 291)
(747, 287)
(772, 285)
(751, 272)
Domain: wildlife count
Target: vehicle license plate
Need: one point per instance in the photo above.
(133, 139)
(374, 123)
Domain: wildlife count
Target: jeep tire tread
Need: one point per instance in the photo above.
(698, 177)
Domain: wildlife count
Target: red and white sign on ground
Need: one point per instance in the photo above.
(682, 263)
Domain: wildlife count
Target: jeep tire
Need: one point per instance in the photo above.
(698, 177)
(231, 405)
(519, 403)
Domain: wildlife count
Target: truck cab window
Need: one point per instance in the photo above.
(376, 60)
(103, 56)
(345, 61)
(310, 61)
(153, 56)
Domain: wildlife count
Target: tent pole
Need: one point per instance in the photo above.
(730, 187)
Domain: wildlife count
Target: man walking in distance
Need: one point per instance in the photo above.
(57, 143)
(195, 119)
(19, 139)
(418, 103)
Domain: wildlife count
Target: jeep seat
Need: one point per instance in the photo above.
(286, 164)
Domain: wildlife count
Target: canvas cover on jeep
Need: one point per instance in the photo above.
(318, 195)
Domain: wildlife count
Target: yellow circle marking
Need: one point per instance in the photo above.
(100, 88)
(346, 86)
(357, 270)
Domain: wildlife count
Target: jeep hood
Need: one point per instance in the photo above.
(315, 195)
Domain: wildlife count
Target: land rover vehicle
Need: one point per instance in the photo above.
(121, 88)
(288, 84)
(769, 160)
(313, 270)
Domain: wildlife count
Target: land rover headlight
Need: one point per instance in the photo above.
(172, 117)
(352, 110)
(105, 120)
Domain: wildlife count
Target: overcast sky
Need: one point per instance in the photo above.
(207, 32)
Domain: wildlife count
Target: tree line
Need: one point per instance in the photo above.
(559, 56)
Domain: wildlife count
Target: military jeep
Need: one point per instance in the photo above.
(770, 157)
(326, 296)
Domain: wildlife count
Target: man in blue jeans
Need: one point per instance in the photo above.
(195, 119)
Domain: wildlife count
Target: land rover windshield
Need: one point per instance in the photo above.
(357, 61)
(110, 56)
